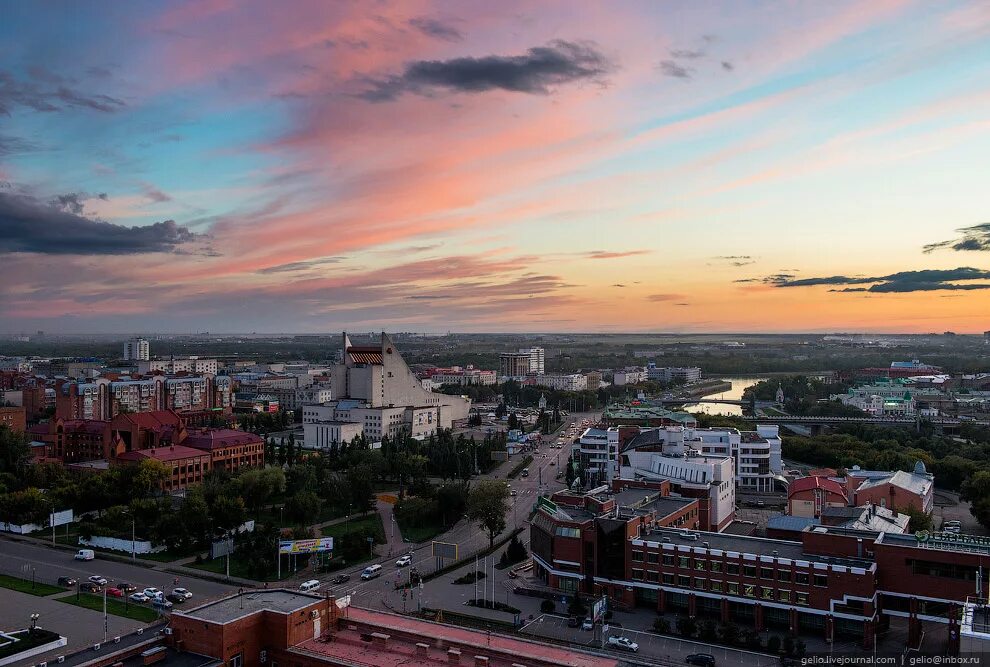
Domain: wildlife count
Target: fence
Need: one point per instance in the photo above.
(60, 519)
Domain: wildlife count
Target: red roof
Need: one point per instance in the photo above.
(214, 438)
(165, 454)
(154, 420)
(810, 483)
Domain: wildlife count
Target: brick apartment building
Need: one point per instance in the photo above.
(13, 418)
(104, 398)
(833, 581)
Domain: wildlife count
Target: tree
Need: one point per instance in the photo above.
(576, 607)
(513, 421)
(976, 490)
(728, 633)
(706, 631)
(151, 475)
(773, 644)
(487, 504)
(548, 606)
(15, 451)
(227, 513)
(260, 485)
(919, 520)
(661, 625)
(500, 411)
(303, 507)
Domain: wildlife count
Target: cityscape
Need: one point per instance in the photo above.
(381, 334)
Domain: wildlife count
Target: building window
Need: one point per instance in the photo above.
(716, 587)
(821, 580)
(766, 573)
(749, 590)
(784, 596)
(767, 593)
(652, 576)
(652, 557)
(800, 598)
(699, 583)
(637, 575)
(732, 588)
(699, 565)
(801, 578)
(684, 581)
(684, 562)
(237, 660)
(668, 579)
(637, 556)
(783, 575)
(715, 566)
(749, 570)
(731, 568)
(668, 560)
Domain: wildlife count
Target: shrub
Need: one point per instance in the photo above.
(773, 644)
(799, 647)
(729, 633)
(789, 645)
(661, 626)
(686, 626)
(577, 607)
(548, 606)
(706, 630)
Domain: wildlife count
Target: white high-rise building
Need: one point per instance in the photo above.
(137, 349)
(537, 359)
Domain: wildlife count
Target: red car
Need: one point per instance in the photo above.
(115, 592)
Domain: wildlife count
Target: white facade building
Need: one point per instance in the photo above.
(323, 423)
(537, 359)
(572, 382)
(757, 454)
(668, 374)
(181, 365)
(629, 376)
(137, 349)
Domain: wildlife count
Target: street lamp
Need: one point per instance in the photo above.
(34, 621)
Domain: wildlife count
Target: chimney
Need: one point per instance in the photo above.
(422, 649)
(859, 547)
(453, 656)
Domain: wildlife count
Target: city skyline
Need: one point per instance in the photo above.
(219, 166)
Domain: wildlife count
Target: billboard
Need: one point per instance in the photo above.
(222, 548)
(598, 610)
(305, 546)
(445, 550)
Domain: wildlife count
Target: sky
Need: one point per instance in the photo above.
(312, 166)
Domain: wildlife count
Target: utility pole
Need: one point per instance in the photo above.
(133, 557)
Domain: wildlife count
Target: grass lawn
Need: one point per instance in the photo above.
(369, 522)
(239, 568)
(25, 586)
(421, 533)
(132, 610)
(163, 556)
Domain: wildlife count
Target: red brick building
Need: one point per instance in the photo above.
(808, 496)
(13, 418)
(834, 581)
(187, 465)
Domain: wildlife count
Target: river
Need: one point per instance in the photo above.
(738, 386)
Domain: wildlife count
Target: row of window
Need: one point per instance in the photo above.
(730, 587)
(752, 571)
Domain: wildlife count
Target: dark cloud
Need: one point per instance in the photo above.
(682, 304)
(154, 194)
(436, 28)
(48, 92)
(300, 266)
(665, 297)
(928, 280)
(104, 196)
(687, 54)
(9, 145)
(608, 254)
(773, 279)
(618, 285)
(727, 66)
(736, 260)
(976, 238)
(536, 72)
(678, 71)
(58, 228)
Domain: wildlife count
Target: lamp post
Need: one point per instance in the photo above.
(34, 621)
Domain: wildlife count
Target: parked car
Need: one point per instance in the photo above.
(115, 592)
(624, 643)
(587, 624)
(182, 592)
(339, 579)
(573, 622)
(404, 561)
(89, 587)
(701, 659)
(127, 588)
(177, 599)
(513, 493)
(138, 597)
(85, 554)
(152, 592)
(68, 582)
(98, 580)
(161, 602)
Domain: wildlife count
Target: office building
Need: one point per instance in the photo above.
(172, 366)
(103, 398)
(570, 382)
(514, 365)
(137, 349)
(537, 359)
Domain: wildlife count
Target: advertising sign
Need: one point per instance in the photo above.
(305, 546)
(599, 609)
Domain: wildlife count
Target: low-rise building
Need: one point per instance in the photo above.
(809, 496)
(174, 365)
(627, 376)
(13, 418)
(896, 490)
(569, 382)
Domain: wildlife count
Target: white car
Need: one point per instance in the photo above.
(181, 592)
(98, 580)
(404, 561)
(624, 643)
(152, 592)
(139, 597)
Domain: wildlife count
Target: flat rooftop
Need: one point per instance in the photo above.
(405, 633)
(279, 600)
